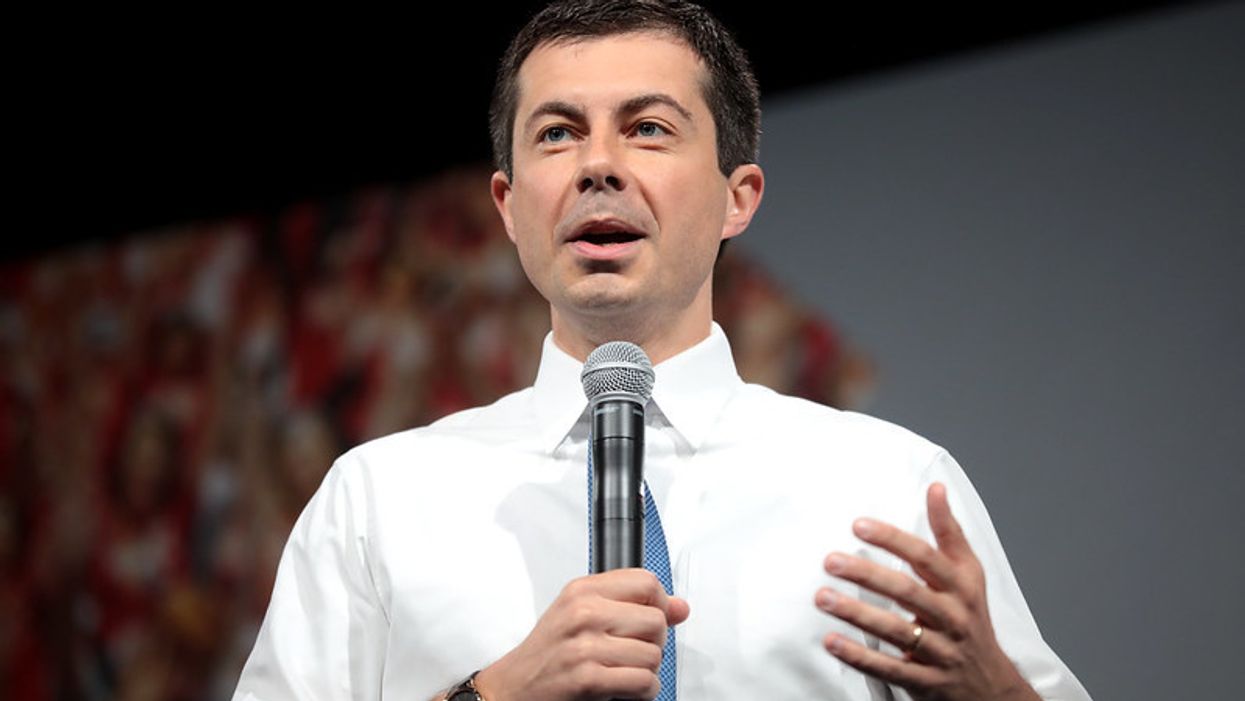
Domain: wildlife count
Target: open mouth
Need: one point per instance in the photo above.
(607, 238)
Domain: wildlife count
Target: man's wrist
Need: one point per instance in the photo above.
(464, 690)
(1019, 689)
(487, 686)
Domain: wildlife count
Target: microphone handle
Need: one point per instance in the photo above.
(618, 513)
(618, 473)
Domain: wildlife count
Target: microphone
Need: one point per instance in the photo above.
(618, 380)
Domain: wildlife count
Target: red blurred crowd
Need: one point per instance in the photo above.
(169, 403)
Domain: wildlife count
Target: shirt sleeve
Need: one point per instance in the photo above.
(1014, 625)
(325, 631)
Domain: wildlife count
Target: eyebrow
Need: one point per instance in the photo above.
(576, 113)
(642, 102)
(557, 108)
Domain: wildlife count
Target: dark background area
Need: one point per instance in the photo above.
(127, 123)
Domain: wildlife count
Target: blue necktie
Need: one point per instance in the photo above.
(657, 561)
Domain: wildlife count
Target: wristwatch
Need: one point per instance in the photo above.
(465, 690)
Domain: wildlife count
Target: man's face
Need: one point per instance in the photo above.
(617, 205)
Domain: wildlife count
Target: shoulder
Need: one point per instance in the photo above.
(826, 465)
(841, 462)
(505, 421)
(840, 435)
(826, 450)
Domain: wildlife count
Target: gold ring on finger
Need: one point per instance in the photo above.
(917, 632)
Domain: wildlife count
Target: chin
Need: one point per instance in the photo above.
(602, 292)
(602, 303)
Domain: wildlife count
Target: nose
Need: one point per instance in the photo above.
(599, 181)
(601, 169)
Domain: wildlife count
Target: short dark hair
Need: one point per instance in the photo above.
(731, 90)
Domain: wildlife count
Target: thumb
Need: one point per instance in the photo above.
(677, 611)
(947, 531)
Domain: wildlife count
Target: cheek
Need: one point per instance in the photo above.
(532, 245)
(530, 256)
(534, 206)
(699, 215)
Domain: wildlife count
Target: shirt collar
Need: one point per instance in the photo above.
(691, 389)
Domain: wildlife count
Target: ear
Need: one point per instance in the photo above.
(744, 189)
(499, 187)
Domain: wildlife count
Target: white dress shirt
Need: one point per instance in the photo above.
(430, 553)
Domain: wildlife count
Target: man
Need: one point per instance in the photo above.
(626, 138)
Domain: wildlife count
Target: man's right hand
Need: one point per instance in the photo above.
(600, 639)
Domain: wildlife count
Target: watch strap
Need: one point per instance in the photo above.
(465, 690)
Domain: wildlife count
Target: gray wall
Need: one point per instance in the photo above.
(1043, 248)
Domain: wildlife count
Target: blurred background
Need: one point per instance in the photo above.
(244, 244)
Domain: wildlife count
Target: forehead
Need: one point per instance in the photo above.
(611, 69)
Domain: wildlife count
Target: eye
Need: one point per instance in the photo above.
(555, 134)
(650, 129)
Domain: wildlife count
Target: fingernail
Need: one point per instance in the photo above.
(835, 564)
(836, 644)
(864, 527)
(826, 598)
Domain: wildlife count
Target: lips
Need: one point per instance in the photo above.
(605, 232)
(605, 239)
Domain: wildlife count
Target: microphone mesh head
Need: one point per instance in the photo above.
(618, 366)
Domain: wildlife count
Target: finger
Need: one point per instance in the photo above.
(622, 682)
(933, 607)
(947, 531)
(909, 675)
(636, 621)
(935, 567)
(628, 652)
(678, 611)
(634, 585)
(885, 625)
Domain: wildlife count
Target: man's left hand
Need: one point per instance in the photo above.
(950, 649)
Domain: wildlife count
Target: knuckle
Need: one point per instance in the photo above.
(631, 684)
(655, 620)
(587, 679)
(908, 589)
(653, 689)
(957, 625)
(900, 636)
(976, 602)
(581, 650)
(576, 588)
(652, 657)
(974, 589)
(641, 577)
(925, 557)
(655, 588)
(581, 615)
